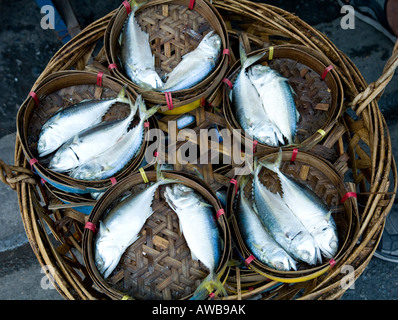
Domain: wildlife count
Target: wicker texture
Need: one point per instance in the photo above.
(358, 146)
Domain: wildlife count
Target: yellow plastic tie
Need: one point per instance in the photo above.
(322, 132)
(271, 53)
(143, 175)
(126, 297)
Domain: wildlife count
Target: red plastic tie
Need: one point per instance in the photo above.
(112, 66)
(43, 182)
(294, 155)
(332, 263)
(255, 143)
(233, 181)
(32, 162)
(113, 180)
(226, 51)
(155, 154)
(90, 226)
(127, 6)
(169, 100)
(100, 75)
(228, 82)
(35, 97)
(249, 260)
(211, 295)
(220, 213)
(191, 4)
(146, 124)
(327, 70)
(348, 195)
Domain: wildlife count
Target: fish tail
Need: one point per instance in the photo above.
(273, 166)
(121, 97)
(208, 285)
(248, 61)
(143, 112)
(243, 182)
(136, 5)
(160, 178)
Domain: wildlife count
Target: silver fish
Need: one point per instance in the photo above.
(68, 122)
(283, 225)
(114, 159)
(199, 227)
(259, 241)
(195, 65)
(247, 104)
(310, 210)
(122, 225)
(277, 99)
(136, 53)
(91, 142)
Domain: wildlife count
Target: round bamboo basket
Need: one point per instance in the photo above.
(358, 146)
(168, 23)
(61, 90)
(328, 185)
(318, 94)
(159, 264)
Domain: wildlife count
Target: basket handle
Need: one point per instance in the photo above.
(11, 175)
(373, 90)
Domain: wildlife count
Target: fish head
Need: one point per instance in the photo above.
(281, 261)
(260, 72)
(266, 134)
(48, 142)
(64, 161)
(327, 241)
(178, 195)
(152, 78)
(305, 248)
(211, 42)
(106, 256)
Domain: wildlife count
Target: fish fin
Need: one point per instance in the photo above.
(57, 117)
(194, 257)
(208, 285)
(328, 215)
(121, 97)
(298, 115)
(248, 61)
(206, 205)
(76, 139)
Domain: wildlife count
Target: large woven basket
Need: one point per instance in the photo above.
(168, 23)
(358, 146)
